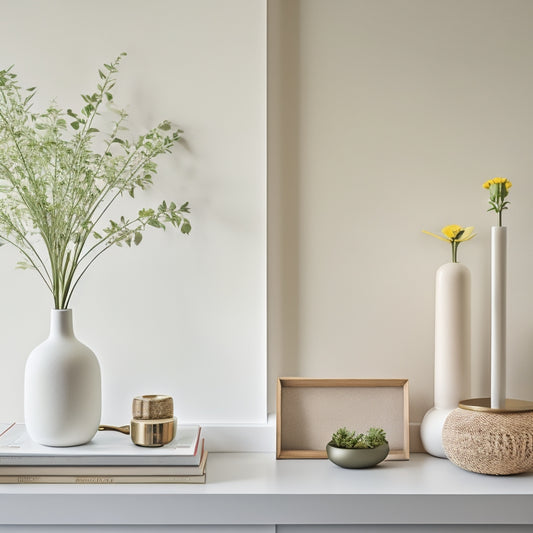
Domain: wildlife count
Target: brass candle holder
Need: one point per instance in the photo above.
(153, 422)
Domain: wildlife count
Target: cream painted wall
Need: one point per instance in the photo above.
(385, 118)
(184, 316)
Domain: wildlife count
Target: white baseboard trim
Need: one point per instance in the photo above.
(262, 437)
(241, 437)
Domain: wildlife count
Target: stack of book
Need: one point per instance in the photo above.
(108, 458)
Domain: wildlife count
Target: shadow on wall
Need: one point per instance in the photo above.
(283, 190)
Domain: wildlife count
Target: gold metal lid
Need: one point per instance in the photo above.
(483, 404)
(152, 407)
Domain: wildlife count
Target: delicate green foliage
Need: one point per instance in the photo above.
(55, 188)
(343, 438)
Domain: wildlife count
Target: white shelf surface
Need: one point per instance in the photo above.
(255, 488)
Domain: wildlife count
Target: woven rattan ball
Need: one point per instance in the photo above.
(489, 442)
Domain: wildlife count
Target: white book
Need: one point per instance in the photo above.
(105, 470)
(101, 480)
(106, 448)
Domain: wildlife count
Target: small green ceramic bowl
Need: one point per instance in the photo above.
(356, 457)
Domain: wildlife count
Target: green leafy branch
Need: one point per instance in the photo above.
(55, 189)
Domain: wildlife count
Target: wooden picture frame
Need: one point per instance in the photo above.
(310, 410)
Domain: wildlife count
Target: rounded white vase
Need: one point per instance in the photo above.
(452, 352)
(62, 387)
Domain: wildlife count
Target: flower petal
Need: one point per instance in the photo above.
(464, 239)
(438, 236)
(467, 236)
(466, 233)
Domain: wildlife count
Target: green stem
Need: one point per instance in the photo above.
(28, 257)
(71, 290)
(29, 172)
(79, 259)
(30, 246)
(83, 238)
(106, 86)
(455, 245)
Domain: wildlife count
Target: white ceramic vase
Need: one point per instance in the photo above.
(452, 352)
(62, 387)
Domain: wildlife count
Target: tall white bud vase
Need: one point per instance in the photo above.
(62, 387)
(498, 316)
(452, 352)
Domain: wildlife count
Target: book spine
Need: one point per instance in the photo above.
(111, 470)
(72, 460)
(35, 467)
(101, 480)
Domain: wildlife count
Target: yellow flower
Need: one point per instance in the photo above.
(498, 190)
(454, 234)
(496, 181)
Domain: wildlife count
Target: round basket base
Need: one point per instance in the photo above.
(490, 441)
